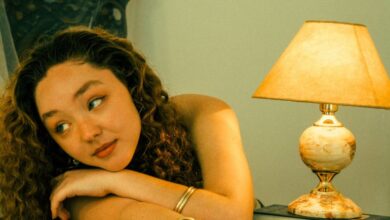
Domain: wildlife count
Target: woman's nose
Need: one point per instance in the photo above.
(89, 130)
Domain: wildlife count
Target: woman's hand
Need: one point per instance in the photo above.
(93, 183)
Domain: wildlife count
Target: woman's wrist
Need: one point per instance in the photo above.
(184, 199)
(117, 184)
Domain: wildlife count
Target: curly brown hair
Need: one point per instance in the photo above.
(27, 163)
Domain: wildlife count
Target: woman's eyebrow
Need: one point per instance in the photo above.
(48, 114)
(85, 87)
(77, 94)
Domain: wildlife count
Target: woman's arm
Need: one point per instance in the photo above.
(227, 192)
(114, 207)
(215, 131)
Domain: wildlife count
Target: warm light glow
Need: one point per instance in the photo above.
(329, 62)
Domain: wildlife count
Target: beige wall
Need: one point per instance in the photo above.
(224, 48)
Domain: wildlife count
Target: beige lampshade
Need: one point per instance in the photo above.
(329, 62)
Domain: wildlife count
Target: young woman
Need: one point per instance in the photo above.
(87, 132)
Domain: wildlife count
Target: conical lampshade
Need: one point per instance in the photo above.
(329, 62)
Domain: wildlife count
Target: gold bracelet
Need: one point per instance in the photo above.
(184, 199)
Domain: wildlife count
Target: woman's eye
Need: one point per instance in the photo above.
(95, 103)
(61, 128)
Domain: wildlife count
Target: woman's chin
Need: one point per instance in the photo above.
(114, 167)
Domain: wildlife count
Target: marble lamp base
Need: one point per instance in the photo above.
(331, 205)
(326, 148)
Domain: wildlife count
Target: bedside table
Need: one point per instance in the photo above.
(274, 212)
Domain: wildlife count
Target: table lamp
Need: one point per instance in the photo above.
(329, 63)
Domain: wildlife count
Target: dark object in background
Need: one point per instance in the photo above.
(33, 20)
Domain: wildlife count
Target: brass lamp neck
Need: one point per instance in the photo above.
(328, 118)
(328, 109)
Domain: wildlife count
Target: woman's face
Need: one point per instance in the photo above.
(90, 114)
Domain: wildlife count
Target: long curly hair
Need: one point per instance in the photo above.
(28, 164)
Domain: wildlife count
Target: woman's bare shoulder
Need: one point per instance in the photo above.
(192, 107)
(198, 99)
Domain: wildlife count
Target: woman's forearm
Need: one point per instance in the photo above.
(143, 210)
(114, 207)
(203, 204)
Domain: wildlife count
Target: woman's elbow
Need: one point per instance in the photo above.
(245, 212)
(238, 210)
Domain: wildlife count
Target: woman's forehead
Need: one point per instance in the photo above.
(64, 81)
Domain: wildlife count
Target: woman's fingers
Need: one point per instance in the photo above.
(56, 205)
(63, 214)
(58, 195)
(77, 183)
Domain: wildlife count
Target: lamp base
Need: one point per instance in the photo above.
(327, 147)
(330, 205)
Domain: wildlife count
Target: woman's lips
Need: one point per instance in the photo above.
(105, 150)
